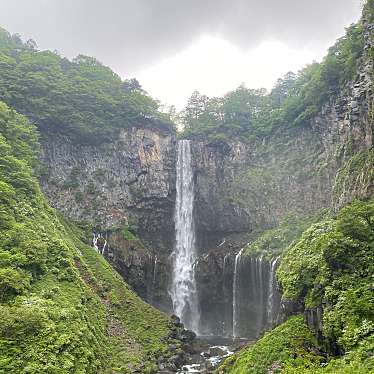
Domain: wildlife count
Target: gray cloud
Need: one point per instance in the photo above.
(132, 34)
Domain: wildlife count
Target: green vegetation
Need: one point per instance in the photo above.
(333, 265)
(273, 242)
(292, 349)
(128, 234)
(248, 114)
(357, 361)
(62, 308)
(291, 344)
(81, 99)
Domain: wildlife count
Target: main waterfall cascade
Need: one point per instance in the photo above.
(183, 289)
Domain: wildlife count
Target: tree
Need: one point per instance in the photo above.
(12, 282)
(283, 88)
(196, 106)
(132, 85)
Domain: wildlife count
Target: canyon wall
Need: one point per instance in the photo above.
(127, 182)
(241, 188)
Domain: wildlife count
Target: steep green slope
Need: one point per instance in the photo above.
(290, 344)
(332, 267)
(62, 308)
(291, 348)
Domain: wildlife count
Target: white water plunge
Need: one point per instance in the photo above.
(271, 307)
(235, 299)
(183, 290)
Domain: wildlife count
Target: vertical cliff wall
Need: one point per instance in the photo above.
(129, 181)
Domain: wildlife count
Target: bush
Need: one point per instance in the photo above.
(336, 258)
(12, 282)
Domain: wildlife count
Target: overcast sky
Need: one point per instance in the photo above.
(176, 46)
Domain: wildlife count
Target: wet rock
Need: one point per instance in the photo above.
(172, 347)
(291, 307)
(216, 351)
(161, 366)
(187, 336)
(188, 348)
(177, 360)
(175, 320)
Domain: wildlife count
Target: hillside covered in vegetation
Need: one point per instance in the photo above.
(248, 114)
(62, 307)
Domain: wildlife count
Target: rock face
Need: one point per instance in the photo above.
(128, 181)
(146, 271)
(241, 187)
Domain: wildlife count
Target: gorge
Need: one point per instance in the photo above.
(123, 238)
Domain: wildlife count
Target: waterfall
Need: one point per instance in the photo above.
(105, 244)
(271, 305)
(154, 272)
(262, 289)
(235, 299)
(227, 288)
(183, 290)
(95, 243)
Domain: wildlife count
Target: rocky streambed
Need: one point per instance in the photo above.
(209, 353)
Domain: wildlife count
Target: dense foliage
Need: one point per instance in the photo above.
(289, 344)
(333, 265)
(291, 348)
(62, 308)
(295, 99)
(81, 98)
